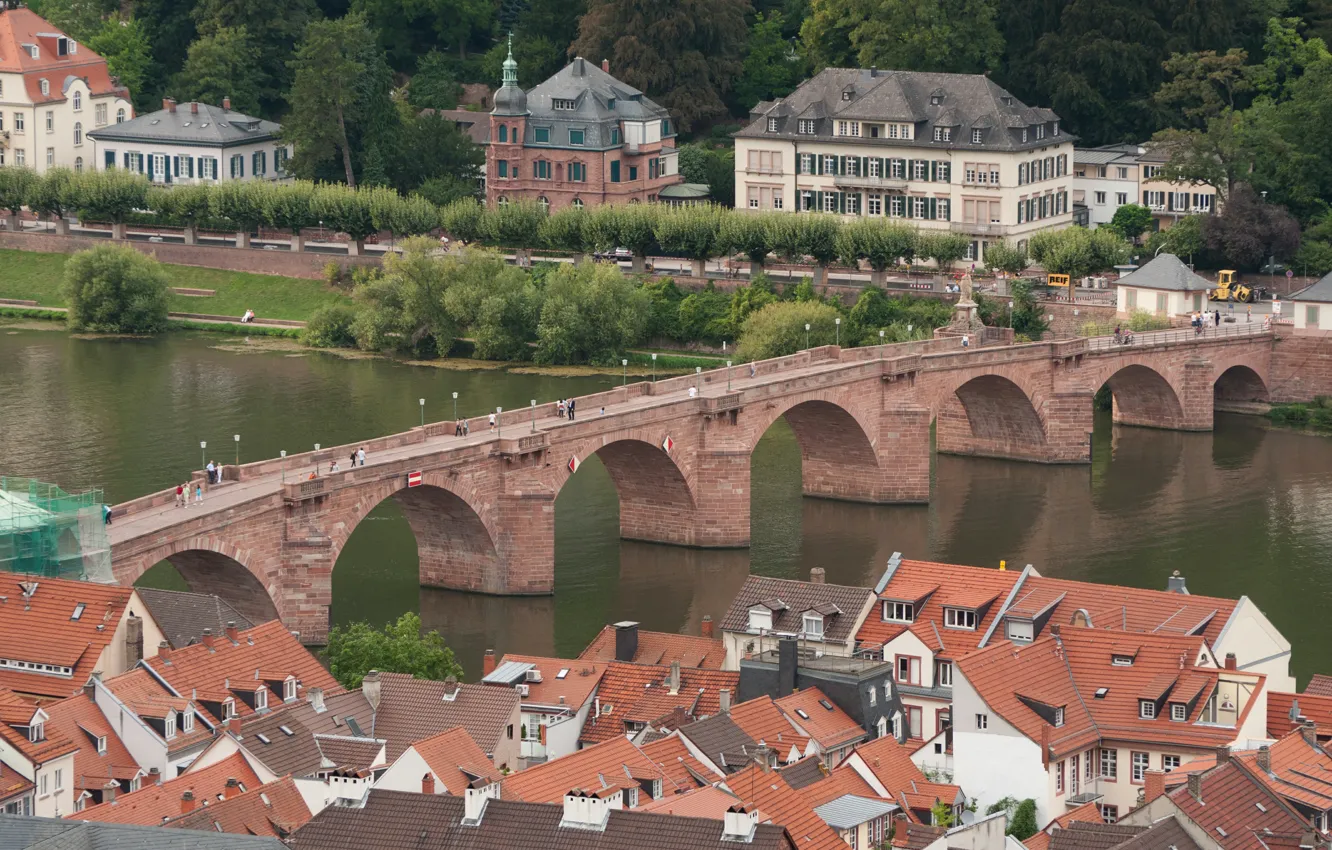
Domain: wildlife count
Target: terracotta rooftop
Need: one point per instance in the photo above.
(285, 740)
(792, 599)
(1298, 771)
(559, 677)
(820, 718)
(144, 695)
(455, 760)
(615, 763)
(152, 804)
(955, 586)
(19, 26)
(706, 802)
(75, 619)
(762, 720)
(396, 820)
(12, 783)
(412, 709)
(842, 781)
(680, 767)
(640, 693)
(1237, 810)
(779, 803)
(1086, 813)
(276, 809)
(79, 719)
(229, 664)
(1165, 834)
(1319, 685)
(916, 836)
(1285, 710)
(890, 762)
(659, 648)
(16, 714)
(182, 616)
(351, 753)
(1074, 679)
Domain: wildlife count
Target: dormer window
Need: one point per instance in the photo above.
(34, 51)
(228, 709)
(1121, 660)
(1023, 631)
(1146, 709)
(1179, 712)
(806, 126)
(1059, 716)
(943, 134)
(1024, 134)
(960, 618)
(977, 137)
(46, 86)
(760, 620)
(170, 725)
(289, 690)
(563, 103)
(813, 625)
(772, 125)
(101, 745)
(261, 698)
(187, 721)
(1040, 131)
(37, 732)
(898, 612)
(1056, 128)
(935, 99)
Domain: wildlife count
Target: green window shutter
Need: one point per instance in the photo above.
(934, 172)
(841, 202)
(166, 166)
(818, 201)
(864, 167)
(818, 164)
(933, 209)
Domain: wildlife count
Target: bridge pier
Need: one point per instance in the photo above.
(1014, 431)
(1199, 395)
(716, 517)
(894, 469)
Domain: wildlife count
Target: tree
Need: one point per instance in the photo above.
(225, 63)
(881, 244)
(1184, 238)
(592, 314)
(403, 309)
(1220, 155)
(816, 237)
(565, 230)
(779, 329)
(1078, 252)
(1131, 221)
(685, 54)
(182, 204)
(345, 210)
(462, 220)
(747, 300)
(1248, 231)
(1026, 316)
(746, 233)
(330, 327)
(1202, 85)
(944, 248)
(957, 36)
(52, 195)
(515, 225)
(288, 208)
(538, 56)
(408, 29)
(705, 315)
(691, 230)
(115, 289)
(1006, 258)
(901, 317)
(1023, 823)
(497, 302)
(125, 47)
(324, 96)
(714, 167)
(242, 202)
(431, 147)
(109, 196)
(16, 186)
(410, 216)
(356, 649)
(272, 30)
(635, 229)
(434, 85)
(770, 71)
(79, 19)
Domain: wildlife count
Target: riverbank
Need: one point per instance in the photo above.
(1315, 417)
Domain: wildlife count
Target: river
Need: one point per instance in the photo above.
(1243, 510)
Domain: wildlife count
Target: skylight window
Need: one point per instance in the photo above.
(827, 705)
(286, 730)
(78, 611)
(264, 738)
(1101, 692)
(564, 671)
(802, 714)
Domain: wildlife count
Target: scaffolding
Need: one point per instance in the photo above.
(47, 532)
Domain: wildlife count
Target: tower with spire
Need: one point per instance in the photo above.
(510, 99)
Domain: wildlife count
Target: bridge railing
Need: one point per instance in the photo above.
(1181, 335)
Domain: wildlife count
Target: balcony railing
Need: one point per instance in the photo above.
(853, 181)
(776, 172)
(978, 228)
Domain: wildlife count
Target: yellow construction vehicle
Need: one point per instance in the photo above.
(1229, 289)
(1056, 280)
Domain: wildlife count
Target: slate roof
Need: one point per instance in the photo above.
(601, 102)
(640, 693)
(1081, 835)
(183, 616)
(797, 597)
(34, 833)
(1165, 834)
(412, 709)
(1087, 813)
(1165, 271)
(615, 763)
(396, 820)
(821, 718)
(722, 741)
(779, 803)
(850, 811)
(455, 760)
(1321, 290)
(17, 711)
(276, 809)
(804, 773)
(679, 766)
(966, 102)
(45, 606)
(475, 124)
(289, 744)
(154, 804)
(579, 681)
(19, 26)
(211, 126)
(660, 648)
(80, 720)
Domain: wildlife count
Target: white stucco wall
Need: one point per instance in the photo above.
(997, 762)
(223, 156)
(59, 799)
(35, 140)
(1176, 303)
(1258, 646)
(144, 745)
(405, 775)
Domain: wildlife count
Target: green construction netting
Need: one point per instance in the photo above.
(48, 532)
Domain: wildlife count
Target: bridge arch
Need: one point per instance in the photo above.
(990, 415)
(1239, 385)
(1143, 396)
(211, 565)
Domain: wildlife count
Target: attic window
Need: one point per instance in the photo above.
(1179, 712)
(1121, 660)
(1101, 693)
(62, 46)
(772, 125)
(1146, 709)
(1007, 99)
(610, 103)
(806, 126)
(848, 94)
(37, 732)
(286, 730)
(814, 625)
(263, 738)
(1020, 630)
(960, 618)
(46, 86)
(101, 745)
(34, 51)
(900, 612)
(187, 721)
(564, 672)
(1056, 128)
(289, 690)
(1059, 717)
(78, 611)
(760, 619)
(802, 714)
(562, 103)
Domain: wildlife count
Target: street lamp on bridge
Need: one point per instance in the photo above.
(533, 416)
(283, 453)
(455, 407)
(236, 437)
(203, 460)
(422, 401)
(806, 334)
(838, 323)
(499, 426)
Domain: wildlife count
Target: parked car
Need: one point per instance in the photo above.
(617, 254)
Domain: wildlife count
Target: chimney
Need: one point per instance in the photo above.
(133, 641)
(450, 688)
(626, 640)
(1222, 754)
(706, 628)
(739, 823)
(1230, 661)
(675, 677)
(164, 651)
(605, 65)
(169, 104)
(1154, 786)
(1195, 786)
(724, 696)
(155, 776)
(1175, 584)
(234, 725)
(316, 697)
(226, 103)
(194, 107)
(370, 689)
(900, 824)
(1309, 731)
(428, 783)
(579, 67)
(233, 634)
(488, 663)
(187, 802)
(474, 801)
(590, 809)
(232, 789)
(109, 791)
(1265, 759)
(817, 576)
(874, 71)
(90, 690)
(786, 666)
(208, 638)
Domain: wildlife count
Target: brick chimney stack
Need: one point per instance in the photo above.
(818, 576)
(1309, 731)
(1231, 664)
(488, 663)
(706, 628)
(194, 107)
(208, 638)
(169, 104)
(187, 802)
(226, 103)
(232, 789)
(428, 783)
(1265, 759)
(1154, 786)
(233, 634)
(605, 65)
(109, 791)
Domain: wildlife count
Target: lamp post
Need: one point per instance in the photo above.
(624, 372)
(455, 407)
(533, 416)
(838, 338)
(654, 367)
(728, 376)
(421, 401)
(236, 437)
(880, 344)
(806, 334)
(203, 461)
(284, 465)
(698, 379)
(499, 426)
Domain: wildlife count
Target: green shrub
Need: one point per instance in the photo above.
(330, 327)
(1290, 414)
(779, 329)
(115, 289)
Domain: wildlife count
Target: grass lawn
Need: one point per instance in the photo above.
(36, 277)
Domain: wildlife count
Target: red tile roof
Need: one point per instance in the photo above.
(1236, 810)
(15, 711)
(580, 680)
(456, 760)
(147, 697)
(640, 693)
(1136, 609)
(762, 720)
(19, 26)
(842, 781)
(1280, 707)
(1052, 674)
(276, 809)
(820, 718)
(1297, 771)
(49, 609)
(12, 783)
(1086, 813)
(779, 803)
(80, 720)
(891, 764)
(1319, 685)
(617, 761)
(660, 648)
(151, 805)
(956, 586)
(227, 667)
(707, 802)
(677, 763)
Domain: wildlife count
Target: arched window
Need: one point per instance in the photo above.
(578, 203)
(78, 100)
(545, 202)
(513, 132)
(78, 165)
(504, 133)
(78, 133)
(633, 200)
(501, 200)
(120, 116)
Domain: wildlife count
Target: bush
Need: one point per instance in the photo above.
(1295, 415)
(115, 289)
(592, 314)
(779, 329)
(400, 647)
(330, 327)
(1023, 824)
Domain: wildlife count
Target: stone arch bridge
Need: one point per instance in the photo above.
(678, 451)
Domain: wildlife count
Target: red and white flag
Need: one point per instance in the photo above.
(667, 444)
(573, 465)
(413, 479)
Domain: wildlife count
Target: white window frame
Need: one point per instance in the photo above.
(874, 204)
(943, 674)
(1179, 712)
(1059, 718)
(812, 625)
(960, 618)
(187, 721)
(772, 125)
(977, 136)
(898, 612)
(982, 721)
(1170, 762)
(1141, 763)
(170, 725)
(261, 699)
(1146, 709)
(806, 126)
(1109, 759)
(874, 170)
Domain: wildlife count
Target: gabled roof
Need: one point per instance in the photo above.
(213, 667)
(1086, 813)
(640, 693)
(276, 809)
(1093, 835)
(779, 803)
(1236, 810)
(916, 836)
(12, 783)
(60, 834)
(820, 718)
(948, 585)
(660, 648)
(798, 597)
(153, 804)
(17, 711)
(1321, 290)
(891, 764)
(286, 740)
(707, 802)
(575, 681)
(351, 753)
(455, 760)
(1165, 834)
(617, 763)
(78, 719)
(412, 709)
(723, 742)
(763, 721)
(804, 773)
(47, 607)
(196, 124)
(182, 616)
(678, 765)
(145, 696)
(839, 783)
(1298, 771)
(20, 26)
(1165, 271)
(1320, 684)
(850, 811)
(1285, 712)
